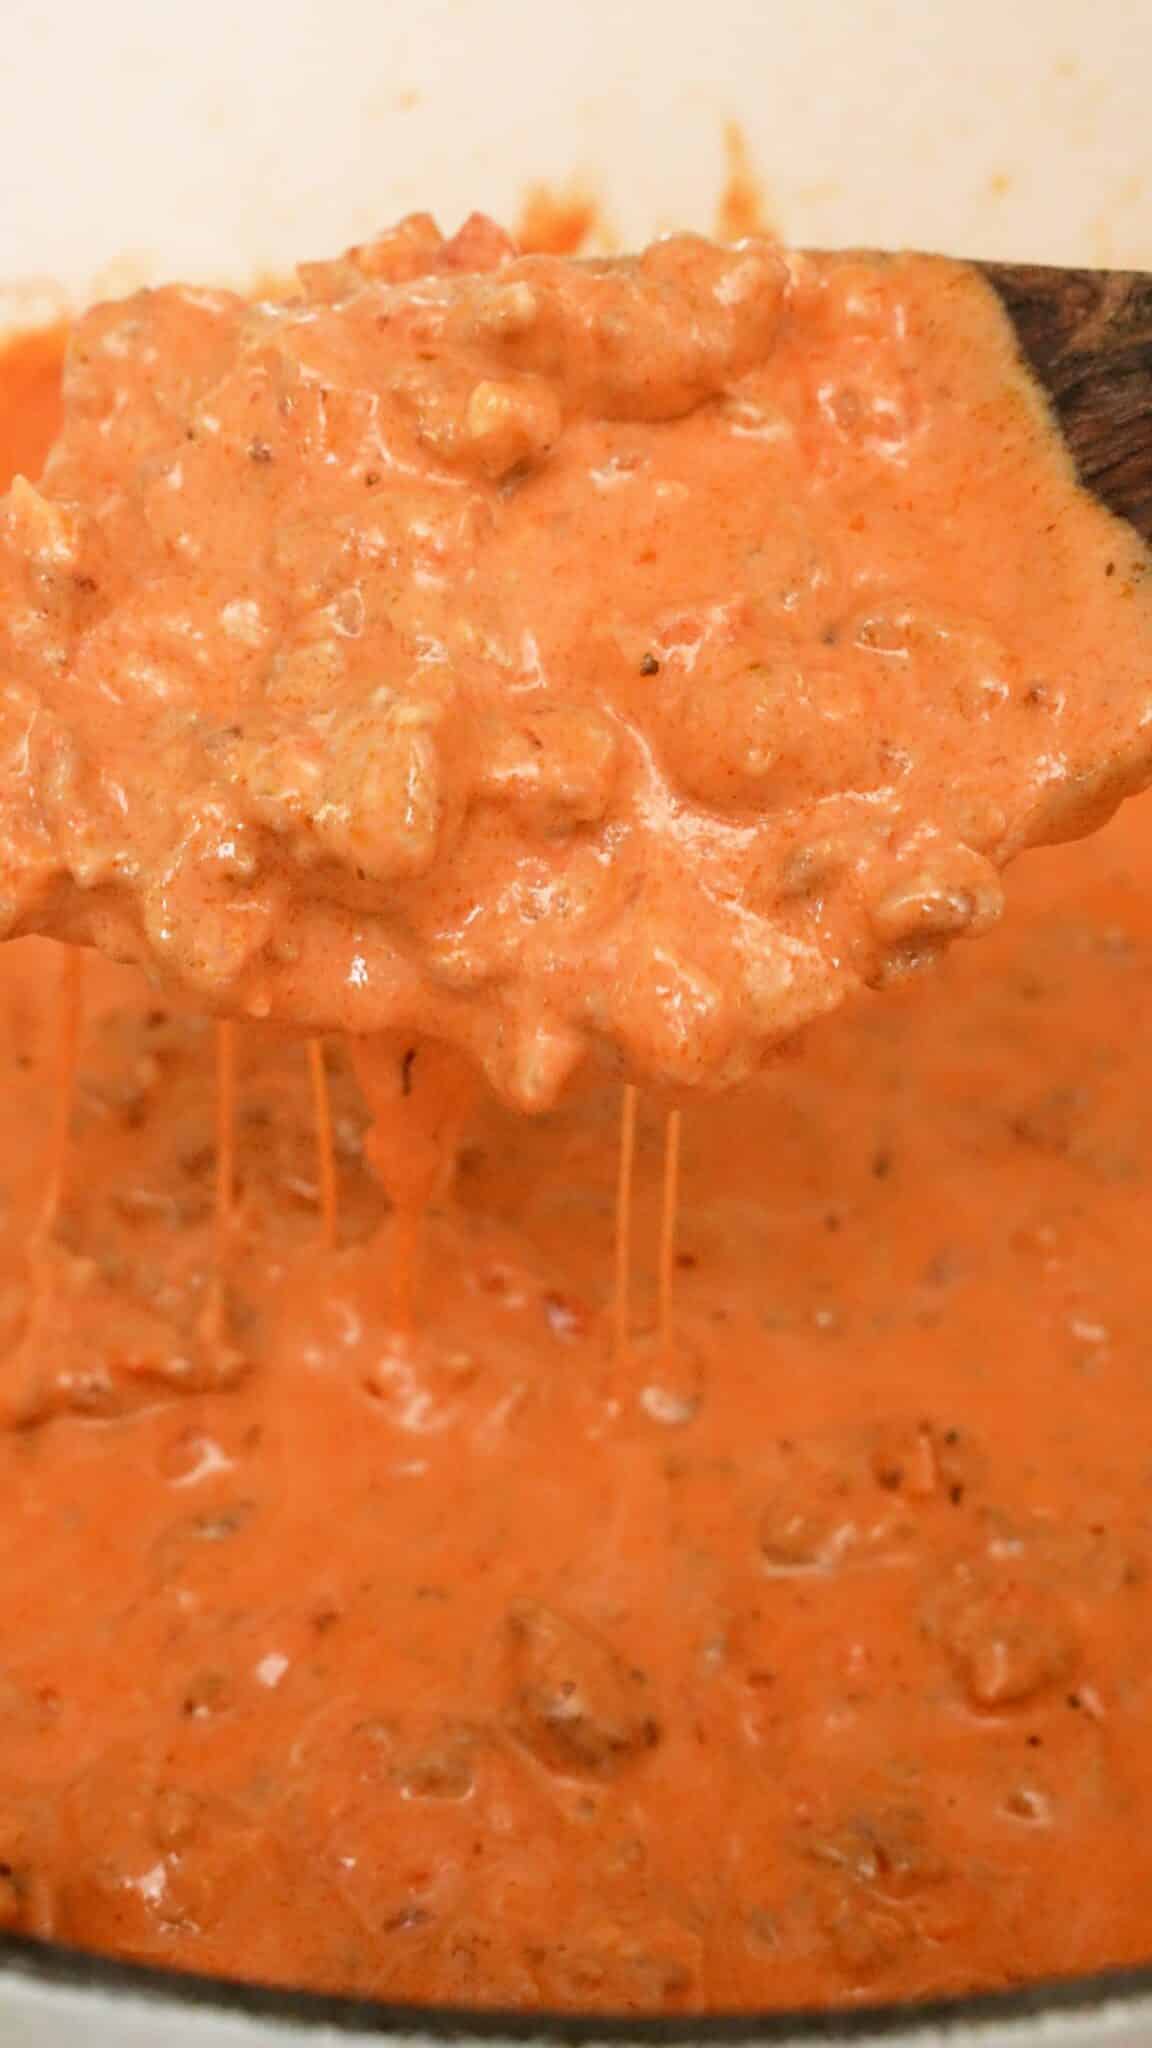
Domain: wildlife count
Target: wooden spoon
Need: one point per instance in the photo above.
(1087, 336)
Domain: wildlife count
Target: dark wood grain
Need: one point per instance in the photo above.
(1087, 335)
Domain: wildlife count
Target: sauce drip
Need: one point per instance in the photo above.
(325, 1152)
(70, 1010)
(225, 1172)
(669, 1216)
(625, 1171)
(419, 1097)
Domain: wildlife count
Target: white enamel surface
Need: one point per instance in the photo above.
(206, 138)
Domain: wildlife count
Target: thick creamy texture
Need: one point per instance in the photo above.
(532, 654)
(810, 1661)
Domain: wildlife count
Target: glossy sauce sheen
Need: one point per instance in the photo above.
(810, 1660)
(538, 655)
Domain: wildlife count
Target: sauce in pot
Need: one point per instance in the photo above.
(805, 1656)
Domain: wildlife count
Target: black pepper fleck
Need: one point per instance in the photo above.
(649, 666)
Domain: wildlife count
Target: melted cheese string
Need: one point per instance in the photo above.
(626, 1161)
(69, 1013)
(325, 1150)
(225, 1170)
(225, 1130)
(669, 1218)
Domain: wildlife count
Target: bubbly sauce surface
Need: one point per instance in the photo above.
(538, 655)
(807, 1657)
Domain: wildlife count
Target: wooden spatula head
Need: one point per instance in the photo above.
(1087, 336)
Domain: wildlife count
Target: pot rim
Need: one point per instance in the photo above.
(49, 1965)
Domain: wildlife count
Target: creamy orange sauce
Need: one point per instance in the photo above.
(538, 656)
(808, 1657)
(30, 401)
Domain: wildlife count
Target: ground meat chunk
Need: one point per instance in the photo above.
(1008, 1636)
(888, 1852)
(574, 1701)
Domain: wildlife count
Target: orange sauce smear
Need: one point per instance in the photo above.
(743, 206)
(760, 1619)
(568, 220)
(561, 221)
